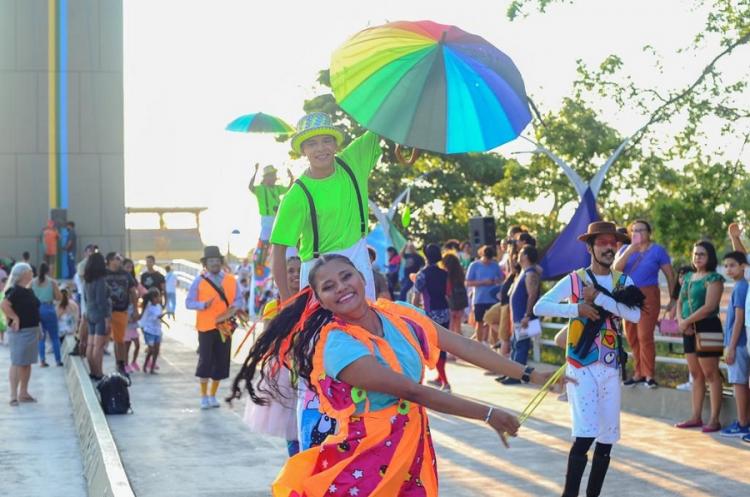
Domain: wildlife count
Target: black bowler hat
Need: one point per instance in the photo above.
(211, 251)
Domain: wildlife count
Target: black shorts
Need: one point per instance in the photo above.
(479, 310)
(213, 355)
(711, 324)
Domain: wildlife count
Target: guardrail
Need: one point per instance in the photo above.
(538, 342)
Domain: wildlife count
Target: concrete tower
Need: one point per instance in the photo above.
(61, 122)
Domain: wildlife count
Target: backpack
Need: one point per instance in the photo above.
(113, 393)
(458, 300)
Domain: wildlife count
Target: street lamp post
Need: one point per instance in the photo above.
(229, 243)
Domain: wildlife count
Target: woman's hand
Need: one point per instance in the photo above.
(685, 327)
(14, 325)
(504, 424)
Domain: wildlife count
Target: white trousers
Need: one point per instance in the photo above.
(595, 402)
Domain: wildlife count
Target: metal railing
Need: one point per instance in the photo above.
(538, 342)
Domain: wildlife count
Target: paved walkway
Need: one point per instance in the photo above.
(39, 451)
(170, 447)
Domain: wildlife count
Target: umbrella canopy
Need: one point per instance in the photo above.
(259, 123)
(430, 86)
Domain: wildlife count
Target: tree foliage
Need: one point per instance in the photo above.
(687, 187)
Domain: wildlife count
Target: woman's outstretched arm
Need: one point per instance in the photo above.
(367, 373)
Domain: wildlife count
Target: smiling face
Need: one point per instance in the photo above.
(292, 274)
(603, 249)
(320, 151)
(340, 288)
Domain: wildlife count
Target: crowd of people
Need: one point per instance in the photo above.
(339, 367)
(103, 303)
(347, 351)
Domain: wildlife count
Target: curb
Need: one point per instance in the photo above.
(103, 469)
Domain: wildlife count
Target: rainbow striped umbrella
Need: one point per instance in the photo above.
(259, 123)
(430, 86)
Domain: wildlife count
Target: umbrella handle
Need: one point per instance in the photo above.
(415, 152)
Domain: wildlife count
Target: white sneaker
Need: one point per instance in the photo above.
(687, 386)
(212, 402)
(205, 403)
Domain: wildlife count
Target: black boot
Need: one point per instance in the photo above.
(599, 466)
(576, 466)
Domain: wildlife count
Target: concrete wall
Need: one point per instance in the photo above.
(95, 124)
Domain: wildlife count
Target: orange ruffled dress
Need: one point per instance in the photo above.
(384, 453)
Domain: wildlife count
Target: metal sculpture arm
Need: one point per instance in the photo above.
(578, 183)
(598, 179)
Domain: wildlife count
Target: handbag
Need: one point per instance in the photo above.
(668, 327)
(706, 341)
(533, 329)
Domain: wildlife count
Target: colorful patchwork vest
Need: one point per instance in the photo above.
(609, 341)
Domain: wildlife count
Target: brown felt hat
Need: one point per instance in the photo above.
(602, 228)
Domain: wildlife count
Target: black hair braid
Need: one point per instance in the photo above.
(264, 354)
(265, 351)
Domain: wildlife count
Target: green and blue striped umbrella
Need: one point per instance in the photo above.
(260, 123)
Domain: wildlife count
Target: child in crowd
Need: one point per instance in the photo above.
(735, 345)
(150, 323)
(279, 417)
(170, 284)
(67, 315)
(132, 339)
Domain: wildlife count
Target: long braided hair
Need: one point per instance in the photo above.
(288, 340)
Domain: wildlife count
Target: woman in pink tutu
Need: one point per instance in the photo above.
(278, 418)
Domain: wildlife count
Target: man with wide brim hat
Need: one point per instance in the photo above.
(595, 307)
(324, 212)
(214, 294)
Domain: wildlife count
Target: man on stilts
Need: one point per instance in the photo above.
(325, 212)
(268, 195)
(597, 300)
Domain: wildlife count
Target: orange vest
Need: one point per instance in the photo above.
(205, 320)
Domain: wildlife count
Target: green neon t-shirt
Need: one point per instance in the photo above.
(335, 203)
(269, 198)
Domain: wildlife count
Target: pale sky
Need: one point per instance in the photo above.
(192, 66)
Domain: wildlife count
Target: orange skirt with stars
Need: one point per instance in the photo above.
(385, 453)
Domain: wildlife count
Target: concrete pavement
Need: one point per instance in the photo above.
(169, 446)
(39, 450)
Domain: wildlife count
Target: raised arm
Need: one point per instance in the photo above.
(622, 259)
(735, 235)
(251, 186)
(368, 374)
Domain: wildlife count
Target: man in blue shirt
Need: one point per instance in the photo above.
(735, 345)
(484, 276)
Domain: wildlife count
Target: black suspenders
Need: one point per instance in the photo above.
(313, 212)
